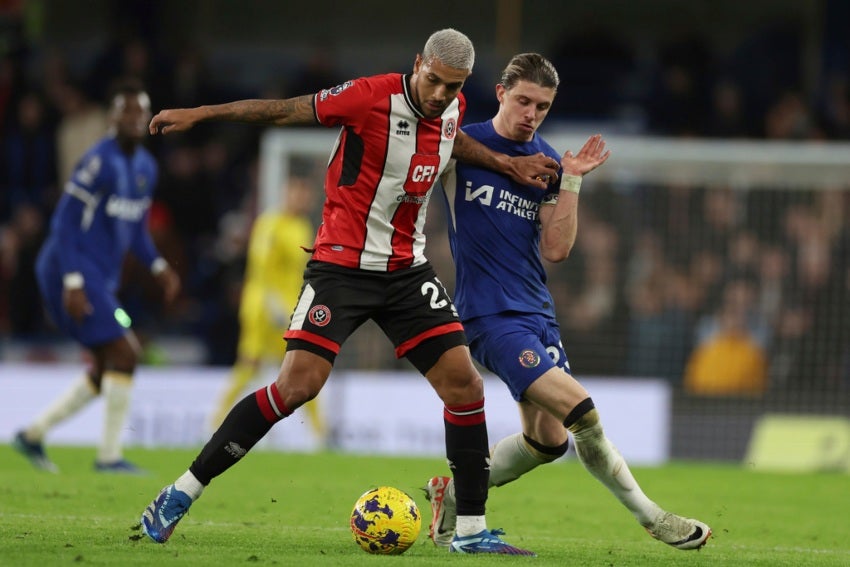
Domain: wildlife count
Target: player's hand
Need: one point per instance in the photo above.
(173, 120)
(538, 170)
(77, 304)
(169, 281)
(588, 158)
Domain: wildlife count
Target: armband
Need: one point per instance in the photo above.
(571, 183)
(158, 266)
(73, 280)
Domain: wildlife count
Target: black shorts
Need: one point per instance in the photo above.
(410, 305)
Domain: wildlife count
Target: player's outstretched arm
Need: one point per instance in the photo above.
(559, 223)
(273, 112)
(536, 170)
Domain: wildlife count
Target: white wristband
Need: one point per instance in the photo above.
(571, 183)
(73, 280)
(158, 266)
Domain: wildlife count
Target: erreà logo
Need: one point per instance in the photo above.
(403, 128)
(483, 193)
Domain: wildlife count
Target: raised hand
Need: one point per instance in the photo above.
(589, 157)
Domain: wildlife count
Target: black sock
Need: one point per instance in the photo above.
(244, 426)
(468, 452)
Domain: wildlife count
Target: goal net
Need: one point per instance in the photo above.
(721, 266)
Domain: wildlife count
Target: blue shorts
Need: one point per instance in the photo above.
(99, 327)
(519, 348)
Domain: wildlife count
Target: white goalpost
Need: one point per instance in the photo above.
(739, 164)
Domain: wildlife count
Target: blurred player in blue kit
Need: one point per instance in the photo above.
(102, 214)
(498, 231)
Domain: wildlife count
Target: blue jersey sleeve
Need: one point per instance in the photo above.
(75, 210)
(142, 245)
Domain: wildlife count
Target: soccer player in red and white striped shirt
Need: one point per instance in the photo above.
(397, 133)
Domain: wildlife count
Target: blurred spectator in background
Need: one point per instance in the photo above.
(789, 118)
(318, 70)
(728, 358)
(661, 312)
(773, 286)
(679, 105)
(812, 331)
(20, 247)
(192, 82)
(10, 82)
(82, 123)
(28, 172)
(728, 117)
(593, 311)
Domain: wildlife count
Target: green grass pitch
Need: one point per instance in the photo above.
(289, 509)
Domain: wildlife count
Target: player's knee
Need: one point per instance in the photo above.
(583, 416)
(458, 388)
(546, 453)
(121, 356)
(297, 389)
(124, 363)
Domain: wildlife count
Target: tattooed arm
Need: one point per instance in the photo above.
(529, 170)
(290, 111)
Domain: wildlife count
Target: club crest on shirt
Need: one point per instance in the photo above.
(528, 358)
(449, 128)
(319, 315)
(141, 183)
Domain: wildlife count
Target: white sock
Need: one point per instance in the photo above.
(70, 402)
(511, 458)
(470, 525)
(190, 485)
(603, 461)
(116, 388)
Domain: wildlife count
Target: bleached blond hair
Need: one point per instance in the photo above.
(451, 47)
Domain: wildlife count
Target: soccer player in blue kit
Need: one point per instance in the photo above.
(498, 231)
(102, 214)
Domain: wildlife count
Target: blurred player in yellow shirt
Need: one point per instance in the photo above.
(277, 256)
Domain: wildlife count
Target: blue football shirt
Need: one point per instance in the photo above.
(494, 232)
(102, 214)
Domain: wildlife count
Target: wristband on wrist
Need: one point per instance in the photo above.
(571, 183)
(73, 280)
(158, 266)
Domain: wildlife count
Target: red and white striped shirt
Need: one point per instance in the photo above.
(381, 171)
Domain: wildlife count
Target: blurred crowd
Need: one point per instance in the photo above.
(659, 280)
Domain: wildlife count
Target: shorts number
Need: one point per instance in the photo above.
(555, 353)
(433, 289)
